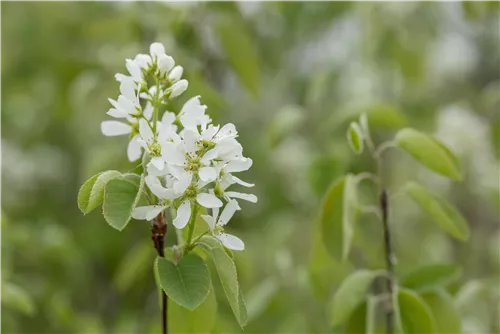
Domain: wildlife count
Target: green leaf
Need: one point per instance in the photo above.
(432, 276)
(429, 152)
(338, 214)
(133, 267)
(415, 315)
(356, 324)
(350, 295)
(355, 138)
(200, 320)
(226, 270)
(439, 210)
(187, 283)
(445, 313)
(240, 52)
(121, 195)
(91, 193)
(16, 298)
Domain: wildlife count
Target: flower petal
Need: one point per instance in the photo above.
(172, 154)
(134, 149)
(207, 174)
(117, 113)
(241, 182)
(145, 131)
(209, 156)
(183, 215)
(228, 212)
(210, 221)
(157, 49)
(158, 162)
(115, 128)
(208, 200)
(147, 212)
(239, 165)
(230, 241)
(183, 183)
(247, 197)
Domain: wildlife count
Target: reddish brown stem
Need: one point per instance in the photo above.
(158, 234)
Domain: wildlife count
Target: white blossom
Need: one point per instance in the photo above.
(216, 225)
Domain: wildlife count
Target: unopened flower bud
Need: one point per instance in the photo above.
(178, 88)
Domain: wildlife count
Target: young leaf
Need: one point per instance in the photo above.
(350, 295)
(240, 53)
(200, 320)
(416, 317)
(429, 152)
(439, 210)
(187, 283)
(226, 270)
(338, 213)
(432, 276)
(91, 193)
(445, 313)
(120, 198)
(355, 138)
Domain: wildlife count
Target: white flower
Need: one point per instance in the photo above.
(175, 74)
(178, 88)
(193, 114)
(150, 143)
(216, 226)
(116, 128)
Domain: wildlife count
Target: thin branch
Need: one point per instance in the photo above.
(389, 259)
(158, 234)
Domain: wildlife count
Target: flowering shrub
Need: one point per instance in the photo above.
(188, 167)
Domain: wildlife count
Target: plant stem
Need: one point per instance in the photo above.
(192, 222)
(158, 234)
(389, 259)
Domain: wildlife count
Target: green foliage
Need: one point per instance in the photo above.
(444, 311)
(187, 283)
(350, 295)
(416, 316)
(199, 320)
(429, 152)
(16, 298)
(338, 213)
(357, 324)
(439, 210)
(430, 277)
(355, 138)
(121, 195)
(91, 193)
(240, 53)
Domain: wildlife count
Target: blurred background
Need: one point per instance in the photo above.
(290, 76)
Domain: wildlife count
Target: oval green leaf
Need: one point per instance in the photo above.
(91, 193)
(355, 138)
(121, 195)
(187, 283)
(240, 53)
(429, 152)
(415, 315)
(350, 295)
(439, 210)
(432, 276)
(445, 313)
(200, 320)
(338, 214)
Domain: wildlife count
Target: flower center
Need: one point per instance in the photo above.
(191, 192)
(155, 149)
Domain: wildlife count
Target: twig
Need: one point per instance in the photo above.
(389, 259)
(158, 234)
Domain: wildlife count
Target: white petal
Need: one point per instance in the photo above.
(156, 188)
(165, 63)
(209, 156)
(241, 182)
(176, 73)
(117, 113)
(238, 165)
(247, 197)
(148, 111)
(157, 49)
(127, 89)
(115, 128)
(172, 154)
(231, 241)
(158, 162)
(207, 174)
(208, 200)
(134, 70)
(143, 60)
(178, 88)
(183, 215)
(147, 212)
(134, 151)
(227, 131)
(228, 212)
(190, 139)
(168, 118)
(183, 183)
(126, 105)
(210, 221)
(209, 133)
(145, 131)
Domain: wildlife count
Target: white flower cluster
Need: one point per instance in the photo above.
(192, 161)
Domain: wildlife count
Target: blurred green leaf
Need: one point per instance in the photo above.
(429, 152)
(240, 53)
(338, 214)
(439, 210)
(432, 276)
(416, 317)
(200, 320)
(133, 267)
(260, 296)
(356, 324)
(355, 138)
(121, 195)
(444, 311)
(187, 283)
(91, 193)
(16, 298)
(350, 295)
(284, 122)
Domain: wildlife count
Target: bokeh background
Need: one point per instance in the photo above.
(290, 76)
